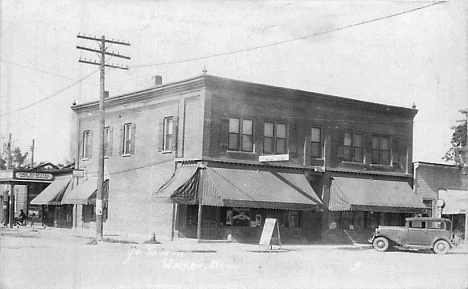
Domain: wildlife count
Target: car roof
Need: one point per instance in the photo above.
(427, 219)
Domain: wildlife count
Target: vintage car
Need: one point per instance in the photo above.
(418, 233)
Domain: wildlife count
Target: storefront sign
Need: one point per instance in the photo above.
(273, 158)
(34, 176)
(267, 232)
(78, 173)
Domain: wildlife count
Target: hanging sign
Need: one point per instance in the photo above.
(267, 233)
(273, 158)
(34, 176)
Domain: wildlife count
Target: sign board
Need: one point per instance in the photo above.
(273, 158)
(34, 176)
(98, 207)
(78, 173)
(267, 233)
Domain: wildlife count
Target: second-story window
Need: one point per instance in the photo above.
(240, 135)
(316, 139)
(127, 144)
(87, 146)
(380, 150)
(353, 147)
(274, 138)
(107, 141)
(168, 134)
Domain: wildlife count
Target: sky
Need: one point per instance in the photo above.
(367, 50)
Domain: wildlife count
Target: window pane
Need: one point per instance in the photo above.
(357, 140)
(247, 144)
(375, 156)
(268, 129)
(384, 144)
(386, 157)
(347, 138)
(358, 155)
(347, 153)
(233, 141)
(168, 126)
(168, 142)
(234, 125)
(247, 126)
(316, 134)
(315, 150)
(281, 130)
(280, 146)
(375, 142)
(268, 145)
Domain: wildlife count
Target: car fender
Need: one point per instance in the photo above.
(441, 238)
(392, 240)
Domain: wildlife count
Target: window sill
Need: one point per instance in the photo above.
(353, 163)
(167, 152)
(381, 166)
(85, 159)
(241, 152)
(126, 155)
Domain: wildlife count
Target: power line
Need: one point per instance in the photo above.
(50, 96)
(229, 52)
(289, 40)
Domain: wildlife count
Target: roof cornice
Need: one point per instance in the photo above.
(183, 86)
(270, 90)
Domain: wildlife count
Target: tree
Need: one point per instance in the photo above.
(17, 159)
(455, 154)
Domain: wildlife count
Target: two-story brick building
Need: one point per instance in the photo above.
(232, 153)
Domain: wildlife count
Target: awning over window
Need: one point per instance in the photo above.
(353, 194)
(455, 201)
(84, 193)
(181, 176)
(52, 195)
(250, 188)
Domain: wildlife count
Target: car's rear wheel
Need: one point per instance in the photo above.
(441, 247)
(381, 244)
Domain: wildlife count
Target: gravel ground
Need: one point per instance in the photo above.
(57, 259)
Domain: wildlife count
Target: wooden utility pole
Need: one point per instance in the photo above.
(32, 154)
(102, 52)
(11, 200)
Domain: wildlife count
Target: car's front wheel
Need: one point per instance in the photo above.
(441, 247)
(381, 244)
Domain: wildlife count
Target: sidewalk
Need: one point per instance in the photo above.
(185, 244)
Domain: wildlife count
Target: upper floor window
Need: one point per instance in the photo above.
(127, 144)
(240, 135)
(168, 133)
(108, 141)
(87, 145)
(380, 150)
(316, 139)
(353, 147)
(274, 138)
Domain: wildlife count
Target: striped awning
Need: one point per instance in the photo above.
(250, 188)
(176, 184)
(53, 193)
(357, 194)
(84, 192)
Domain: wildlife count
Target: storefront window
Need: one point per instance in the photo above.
(240, 217)
(192, 215)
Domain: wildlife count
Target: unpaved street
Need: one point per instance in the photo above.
(53, 259)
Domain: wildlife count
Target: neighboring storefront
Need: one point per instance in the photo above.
(452, 205)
